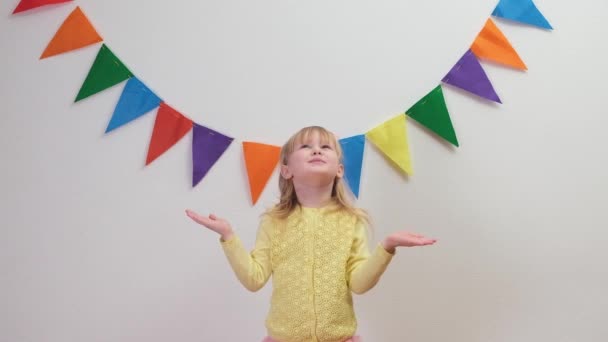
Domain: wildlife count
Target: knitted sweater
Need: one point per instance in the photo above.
(316, 257)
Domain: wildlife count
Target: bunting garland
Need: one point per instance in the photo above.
(208, 145)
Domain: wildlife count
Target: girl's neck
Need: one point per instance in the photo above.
(314, 196)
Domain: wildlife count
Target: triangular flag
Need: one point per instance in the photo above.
(107, 70)
(75, 32)
(523, 11)
(469, 75)
(207, 147)
(136, 100)
(492, 45)
(260, 160)
(352, 149)
(431, 112)
(25, 5)
(169, 127)
(391, 138)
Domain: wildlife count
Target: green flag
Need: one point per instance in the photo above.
(107, 70)
(431, 112)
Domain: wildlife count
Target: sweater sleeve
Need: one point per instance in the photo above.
(364, 269)
(251, 268)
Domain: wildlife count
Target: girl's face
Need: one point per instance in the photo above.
(314, 160)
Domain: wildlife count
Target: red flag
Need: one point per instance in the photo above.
(25, 5)
(170, 126)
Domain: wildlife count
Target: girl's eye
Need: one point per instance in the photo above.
(304, 146)
(326, 147)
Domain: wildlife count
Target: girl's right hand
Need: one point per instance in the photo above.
(212, 222)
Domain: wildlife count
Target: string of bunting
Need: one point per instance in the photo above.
(261, 159)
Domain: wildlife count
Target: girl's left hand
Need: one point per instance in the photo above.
(405, 239)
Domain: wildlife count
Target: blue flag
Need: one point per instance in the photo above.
(353, 159)
(136, 100)
(523, 11)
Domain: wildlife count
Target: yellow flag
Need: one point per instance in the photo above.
(391, 138)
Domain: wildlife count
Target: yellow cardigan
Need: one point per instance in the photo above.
(316, 257)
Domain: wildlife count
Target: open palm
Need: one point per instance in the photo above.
(405, 239)
(218, 225)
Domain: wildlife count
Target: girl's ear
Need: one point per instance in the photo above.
(285, 173)
(340, 172)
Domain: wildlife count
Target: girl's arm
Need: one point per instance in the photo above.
(252, 269)
(364, 270)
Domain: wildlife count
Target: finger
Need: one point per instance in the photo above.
(418, 241)
(420, 236)
(191, 213)
(198, 218)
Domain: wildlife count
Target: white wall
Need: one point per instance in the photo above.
(95, 247)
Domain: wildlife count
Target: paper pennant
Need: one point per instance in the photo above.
(391, 138)
(136, 100)
(25, 5)
(207, 147)
(75, 32)
(260, 160)
(352, 149)
(107, 71)
(169, 127)
(431, 112)
(523, 11)
(470, 76)
(492, 45)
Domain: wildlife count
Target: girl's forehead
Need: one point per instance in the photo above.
(314, 135)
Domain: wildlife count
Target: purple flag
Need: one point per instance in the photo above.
(207, 147)
(469, 75)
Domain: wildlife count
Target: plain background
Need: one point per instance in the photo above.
(96, 247)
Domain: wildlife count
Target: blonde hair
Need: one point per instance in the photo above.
(288, 202)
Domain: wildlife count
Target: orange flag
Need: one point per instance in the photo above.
(169, 127)
(260, 160)
(75, 32)
(492, 44)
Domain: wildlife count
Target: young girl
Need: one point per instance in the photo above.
(313, 242)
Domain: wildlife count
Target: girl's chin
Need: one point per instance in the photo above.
(317, 178)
